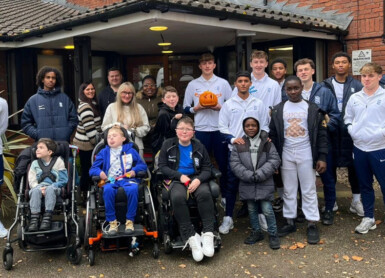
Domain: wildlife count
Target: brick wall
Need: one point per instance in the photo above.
(3, 75)
(366, 29)
(93, 3)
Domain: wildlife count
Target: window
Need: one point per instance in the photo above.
(99, 73)
(284, 52)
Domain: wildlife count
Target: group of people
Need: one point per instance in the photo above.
(266, 135)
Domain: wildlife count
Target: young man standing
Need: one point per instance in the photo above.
(278, 70)
(108, 95)
(327, 102)
(230, 125)
(364, 119)
(206, 119)
(49, 113)
(344, 86)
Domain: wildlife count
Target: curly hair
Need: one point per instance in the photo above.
(43, 71)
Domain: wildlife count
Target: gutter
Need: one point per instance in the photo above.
(147, 5)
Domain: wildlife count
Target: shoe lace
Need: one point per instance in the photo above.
(107, 227)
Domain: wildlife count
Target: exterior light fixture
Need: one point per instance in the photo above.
(69, 47)
(164, 43)
(167, 51)
(158, 28)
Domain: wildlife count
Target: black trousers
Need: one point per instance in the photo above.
(202, 195)
(85, 162)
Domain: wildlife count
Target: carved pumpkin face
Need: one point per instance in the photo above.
(208, 99)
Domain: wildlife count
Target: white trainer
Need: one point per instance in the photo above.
(357, 208)
(208, 244)
(335, 208)
(366, 225)
(3, 231)
(195, 245)
(262, 222)
(226, 225)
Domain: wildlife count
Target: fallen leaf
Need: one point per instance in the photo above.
(19, 261)
(320, 249)
(163, 267)
(346, 258)
(356, 258)
(378, 222)
(147, 275)
(322, 241)
(59, 270)
(284, 247)
(264, 253)
(336, 256)
(247, 272)
(101, 275)
(182, 266)
(253, 265)
(293, 247)
(248, 253)
(300, 245)
(92, 276)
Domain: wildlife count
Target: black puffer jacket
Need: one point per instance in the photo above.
(169, 160)
(317, 131)
(165, 125)
(341, 142)
(258, 184)
(105, 98)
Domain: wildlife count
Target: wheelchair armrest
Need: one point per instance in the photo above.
(214, 188)
(141, 174)
(215, 173)
(95, 178)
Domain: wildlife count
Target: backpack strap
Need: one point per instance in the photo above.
(47, 169)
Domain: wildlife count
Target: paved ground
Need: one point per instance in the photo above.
(333, 257)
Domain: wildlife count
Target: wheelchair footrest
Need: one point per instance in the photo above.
(138, 231)
(56, 226)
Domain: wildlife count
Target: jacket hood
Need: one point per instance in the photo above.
(55, 91)
(249, 116)
(166, 107)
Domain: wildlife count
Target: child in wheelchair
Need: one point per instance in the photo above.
(47, 175)
(185, 161)
(118, 164)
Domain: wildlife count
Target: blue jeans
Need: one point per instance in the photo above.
(214, 143)
(367, 164)
(109, 194)
(267, 210)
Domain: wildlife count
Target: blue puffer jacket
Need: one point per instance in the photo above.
(49, 114)
(326, 101)
(342, 143)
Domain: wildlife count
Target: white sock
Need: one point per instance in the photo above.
(356, 197)
(280, 192)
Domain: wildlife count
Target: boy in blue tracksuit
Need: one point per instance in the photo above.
(112, 162)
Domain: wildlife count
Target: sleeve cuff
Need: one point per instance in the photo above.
(232, 140)
(192, 110)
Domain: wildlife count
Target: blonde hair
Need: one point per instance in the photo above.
(369, 68)
(259, 54)
(116, 129)
(132, 119)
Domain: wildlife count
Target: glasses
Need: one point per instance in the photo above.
(149, 86)
(126, 93)
(184, 129)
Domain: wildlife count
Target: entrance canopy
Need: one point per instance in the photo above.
(193, 26)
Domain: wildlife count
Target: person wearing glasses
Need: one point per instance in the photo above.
(149, 97)
(129, 114)
(185, 161)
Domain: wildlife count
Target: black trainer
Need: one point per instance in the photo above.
(254, 237)
(274, 242)
(287, 229)
(34, 223)
(328, 217)
(46, 222)
(312, 234)
(277, 204)
(300, 216)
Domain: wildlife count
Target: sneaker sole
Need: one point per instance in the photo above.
(226, 232)
(352, 210)
(365, 232)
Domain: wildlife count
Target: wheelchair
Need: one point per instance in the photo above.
(168, 226)
(66, 226)
(145, 224)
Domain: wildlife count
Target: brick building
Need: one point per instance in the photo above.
(107, 33)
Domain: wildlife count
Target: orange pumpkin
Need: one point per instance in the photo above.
(208, 99)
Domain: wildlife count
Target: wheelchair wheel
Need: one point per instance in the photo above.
(155, 251)
(74, 255)
(8, 260)
(91, 257)
(81, 229)
(89, 229)
(167, 244)
(20, 242)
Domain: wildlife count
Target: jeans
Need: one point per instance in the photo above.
(298, 164)
(109, 194)
(204, 200)
(35, 196)
(214, 144)
(267, 210)
(367, 164)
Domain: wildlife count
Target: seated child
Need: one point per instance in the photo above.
(112, 162)
(169, 114)
(254, 163)
(46, 176)
(186, 162)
